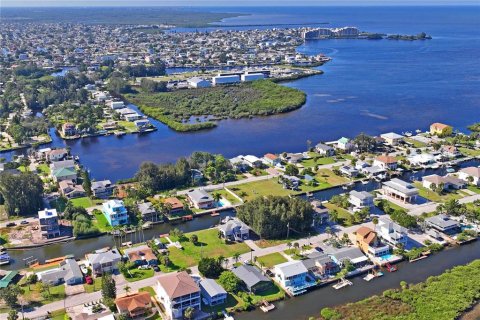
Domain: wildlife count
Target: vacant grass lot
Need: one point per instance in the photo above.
(251, 190)
(327, 176)
(85, 202)
(271, 259)
(342, 214)
(33, 293)
(228, 196)
(317, 160)
(469, 152)
(139, 274)
(435, 197)
(209, 245)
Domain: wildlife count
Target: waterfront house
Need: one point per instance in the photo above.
(253, 161)
(102, 189)
(105, 261)
(135, 305)
(253, 279)
(352, 254)
(177, 292)
(239, 164)
(62, 164)
(470, 174)
(443, 223)
(386, 162)
(361, 199)
(440, 129)
(141, 255)
(212, 293)
(271, 159)
(70, 190)
(349, 171)
(294, 158)
(399, 189)
(368, 242)
(391, 232)
(294, 181)
(148, 212)
(293, 276)
(421, 159)
(391, 138)
(445, 182)
(68, 272)
(374, 171)
(175, 205)
(115, 212)
(200, 199)
(132, 117)
(57, 154)
(64, 174)
(68, 129)
(197, 175)
(344, 144)
(116, 105)
(252, 76)
(48, 223)
(320, 264)
(197, 82)
(142, 123)
(234, 230)
(450, 152)
(324, 150)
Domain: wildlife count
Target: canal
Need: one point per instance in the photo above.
(310, 304)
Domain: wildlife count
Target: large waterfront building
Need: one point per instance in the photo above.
(49, 226)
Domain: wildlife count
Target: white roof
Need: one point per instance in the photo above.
(47, 213)
(291, 268)
(251, 158)
(391, 135)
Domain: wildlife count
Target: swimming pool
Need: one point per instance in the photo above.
(386, 257)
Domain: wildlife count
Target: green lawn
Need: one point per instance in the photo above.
(233, 302)
(209, 245)
(273, 294)
(85, 202)
(469, 152)
(140, 274)
(392, 205)
(58, 314)
(343, 215)
(149, 290)
(33, 293)
(251, 190)
(271, 259)
(310, 163)
(227, 195)
(435, 197)
(416, 143)
(96, 286)
(43, 168)
(474, 188)
(58, 204)
(102, 223)
(294, 253)
(327, 176)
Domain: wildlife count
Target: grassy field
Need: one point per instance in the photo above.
(85, 202)
(469, 152)
(34, 293)
(342, 214)
(435, 197)
(273, 294)
(392, 205)
(257, 98)
(209, 245)
(474, 189)
(271, 259)
(102, 223)
(228, 196)
(416, 143)
(44, 168)
(251, 190)
(140, 274)
(310, 163)
(327, 176)
(96, 286)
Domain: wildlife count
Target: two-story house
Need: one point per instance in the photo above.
(293, 276)
(115, 212)
(369, 243)
(105, 261)
(102, 189)
(49, 226)
(212, 293)
(391, 232)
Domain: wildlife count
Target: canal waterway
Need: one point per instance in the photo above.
(370, 86)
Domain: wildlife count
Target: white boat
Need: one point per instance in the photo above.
(4, 259)
(343, 283)
(365, 182)
(373, 275)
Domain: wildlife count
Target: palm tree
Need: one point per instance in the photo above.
(216, 197)
(333, 216)
(289, 245)
(127, 289)
(236, 257)
(188, 313)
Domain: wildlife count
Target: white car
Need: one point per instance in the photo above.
(84, 269)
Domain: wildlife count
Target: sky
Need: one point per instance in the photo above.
(225, 3)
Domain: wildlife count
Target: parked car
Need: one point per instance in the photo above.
(84, 269)
(11, 224)
(156, 268)
(88, 280)
(144, 267)
(24, 222)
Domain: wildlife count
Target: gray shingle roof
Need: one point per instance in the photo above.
(250, 275)
(212, 287)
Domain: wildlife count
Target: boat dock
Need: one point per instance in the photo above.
(342, 284)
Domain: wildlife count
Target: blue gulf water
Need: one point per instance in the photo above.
(370, 86)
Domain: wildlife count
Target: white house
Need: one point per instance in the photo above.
(116, 105)
(470, 174)
(391, 232)
(391, 138)
(225, 79)
(177, 292)
(361, 199)
(386, 162)
(293, 276)
(197, 82)
(447, 182)
(400, 189)
(344, 144)
(253, 161)
(324, 149)
(252, 76)
(200, 199)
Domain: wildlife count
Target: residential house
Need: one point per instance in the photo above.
(391, 232)
(177, 292)
(102, 189)
(148, 212)
(142, 123)
(116, 105)
(239, 164)
(135, 305)
(176, 206)
(374, 171)
(320, 264)
(450, 152)
(392, 138)
(48, 221)
(292, 180)
(253, 161)
(141, 255)
(68, 129)
(254, 280)
(325, 150)
(61, 174)
(293, 276)
(421, 159)
(344, 144)
(271, 159)
(361, 199)
(351, 254)
(115, 212)
(62, 164)
(386, 162)
(104, 261)
(57, 154)
(349, 171)
(400, 189)
(443, 223)
(234, 230)
(197, 82)
(68, 272)
(70, 190)
(200, 199)
(212, 293)
(369, 243)
(440, 129)
(471, 175)
(294, 158)
(445, 182)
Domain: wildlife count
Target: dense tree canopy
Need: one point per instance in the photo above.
(269, 216)
(22, 193)
(155, 178)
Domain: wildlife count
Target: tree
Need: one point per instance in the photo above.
(87, 183)
(236, 257)
(364, 143)
(194, 239)
(188, 313)
(108, 286)
(127, 289)
(229, 281)
(12, 315)
(10, 295)
(210, 267)
(333, 216)
(216, 197)
(21, 192)
(291, 170)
